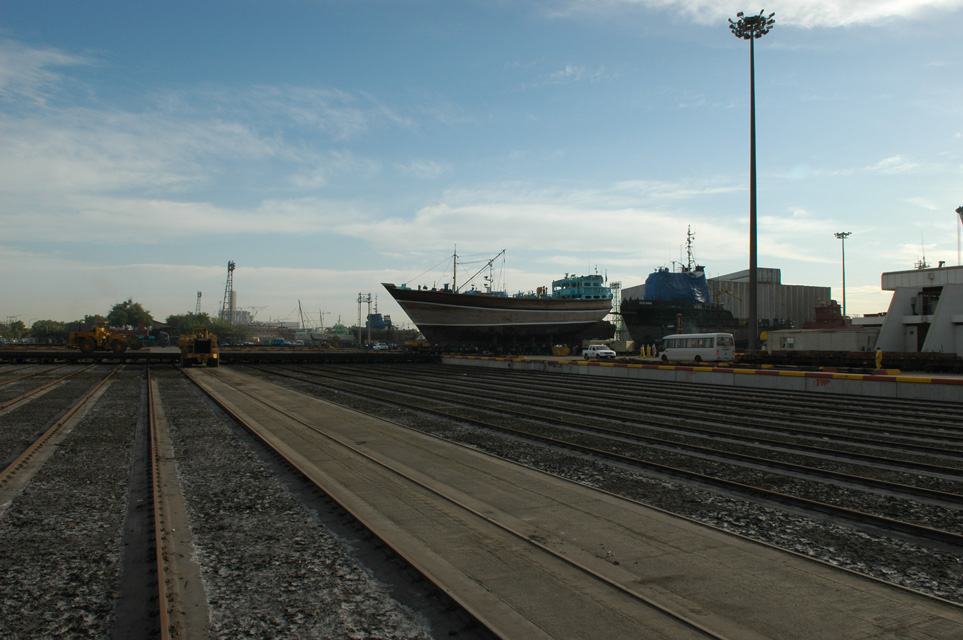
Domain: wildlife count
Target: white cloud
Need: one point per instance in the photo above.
(26, 73)
(425, 168)
(894, 164)
(149, 221)
(571, 74)
(800, 13)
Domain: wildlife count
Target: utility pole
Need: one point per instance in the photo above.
(842, 235)
(749, 29)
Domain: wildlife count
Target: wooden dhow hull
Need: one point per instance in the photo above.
(444, 317)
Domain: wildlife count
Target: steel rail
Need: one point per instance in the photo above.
(768, 424)
(753, 438)
(29, 375)
(748, 399)
(7, 474)
(859, 517)
(751, 441)
(521, 536)
(24, 396)
(163, 596)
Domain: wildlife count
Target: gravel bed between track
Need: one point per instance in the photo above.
(269, 570)
(60, 540)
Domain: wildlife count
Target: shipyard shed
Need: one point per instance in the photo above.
(779, 305)
(786, 305)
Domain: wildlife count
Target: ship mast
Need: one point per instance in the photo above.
(689, 236)
(487, 265)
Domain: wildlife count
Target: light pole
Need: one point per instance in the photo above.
(842, 235)
(749, 29)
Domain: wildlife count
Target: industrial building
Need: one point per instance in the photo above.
(925, 316)
(779, 305)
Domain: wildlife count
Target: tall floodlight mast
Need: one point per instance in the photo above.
(363, 298)
(749, 29)
(842, 235)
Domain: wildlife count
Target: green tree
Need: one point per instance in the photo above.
(129, 313)
(183, 323)
(87, 324)
(235, 334)
(14, 330)
(49, 331)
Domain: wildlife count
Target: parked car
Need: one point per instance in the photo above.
(598, 351)
(379, 346)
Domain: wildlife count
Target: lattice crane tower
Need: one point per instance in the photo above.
(197, 307)
(227, 307)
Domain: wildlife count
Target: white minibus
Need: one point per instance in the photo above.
(698, 347)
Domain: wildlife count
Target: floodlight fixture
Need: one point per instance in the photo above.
(753, 26)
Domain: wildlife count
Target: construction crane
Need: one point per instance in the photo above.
(227, 307)
(197, 307)
(254, 311)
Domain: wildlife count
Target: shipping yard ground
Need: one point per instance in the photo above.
(641, 588)
(527, 553)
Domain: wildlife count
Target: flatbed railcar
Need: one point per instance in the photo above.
(864, 360)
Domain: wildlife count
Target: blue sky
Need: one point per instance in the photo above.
(329, 146)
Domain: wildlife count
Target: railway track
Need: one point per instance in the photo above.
(17, 473)
(537, 419)
(882, 421)
(474, 526)
(894, 508)
(84, 505)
